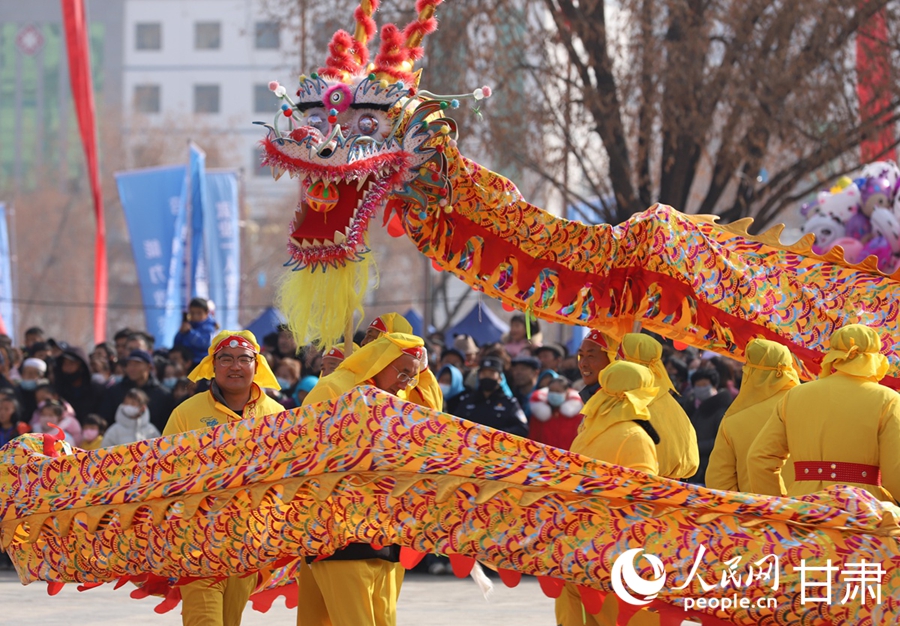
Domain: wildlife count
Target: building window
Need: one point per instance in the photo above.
(264, 101)
(148, 36)
(146, 98)
(268, 35)
(206, 98)
(207, 35)
(258, 168)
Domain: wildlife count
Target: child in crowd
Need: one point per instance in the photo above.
(92, 432)
(9, 416)
(132, 421)
(53, 412)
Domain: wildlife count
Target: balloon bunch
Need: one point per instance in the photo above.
(862, 216)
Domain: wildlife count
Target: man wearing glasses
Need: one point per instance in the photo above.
(239, 374)
(359, 585)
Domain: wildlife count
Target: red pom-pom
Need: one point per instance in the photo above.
(332, 119)
(288, 112)
(437, 266)
(679, 345)
(508, 307)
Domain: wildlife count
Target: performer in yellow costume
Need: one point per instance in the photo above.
(769, 373)
(387, 323)
(843, 428)
(238, 373)
(616, 429)
(677, 451)
(359, 585)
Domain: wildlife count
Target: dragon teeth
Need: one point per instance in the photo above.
(339, 237)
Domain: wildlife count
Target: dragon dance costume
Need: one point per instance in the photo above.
(369, 467)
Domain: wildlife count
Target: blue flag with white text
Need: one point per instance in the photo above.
(155, 204)
(7, 308)
(222, 245)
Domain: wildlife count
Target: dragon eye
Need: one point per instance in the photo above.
(317, 121)
(336, 97)
(368, 124)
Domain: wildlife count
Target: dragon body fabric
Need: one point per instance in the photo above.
(371, 468)
(251, 496)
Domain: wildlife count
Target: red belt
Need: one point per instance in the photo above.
(834, 471)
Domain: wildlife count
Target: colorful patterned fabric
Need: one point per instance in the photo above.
(685, 277)
(369, 467)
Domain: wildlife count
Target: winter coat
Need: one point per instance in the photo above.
(554, 426)
(198, 338)
(129, 429)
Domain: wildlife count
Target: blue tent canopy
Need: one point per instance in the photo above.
(481, 323)
(415, 320)
(266, 323)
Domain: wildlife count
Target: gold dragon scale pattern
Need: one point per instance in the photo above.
(368, 467)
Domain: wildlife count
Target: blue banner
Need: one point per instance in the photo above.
(7, 308)
(155, 204)
(197, 276)
(222, 245)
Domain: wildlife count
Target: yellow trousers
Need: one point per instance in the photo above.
(349, 593)
(570, 611)
(221, 603)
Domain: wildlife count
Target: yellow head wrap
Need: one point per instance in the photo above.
(626, 390)
(206, 369)
(365, 363)
(768, 370)
(647, 351)
(392, 323)
(855, 350)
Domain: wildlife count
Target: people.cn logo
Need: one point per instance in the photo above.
(626, 580)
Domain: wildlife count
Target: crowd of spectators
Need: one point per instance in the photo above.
(125, 390)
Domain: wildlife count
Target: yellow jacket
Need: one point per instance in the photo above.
(608, 432)
(840, 418)
(727, 468)
(204, 411)
(768, 375)
(677, 451)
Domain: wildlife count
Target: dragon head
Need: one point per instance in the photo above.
(359, 137)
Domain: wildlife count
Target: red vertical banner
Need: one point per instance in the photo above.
(873, 81)
(78, 52)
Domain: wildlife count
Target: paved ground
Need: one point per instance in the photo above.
(424, 601)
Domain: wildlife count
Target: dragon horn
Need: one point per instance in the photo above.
(400, 49)
(424, 23)
(365, 29)
(348, 55)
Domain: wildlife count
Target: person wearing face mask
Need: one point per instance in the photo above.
(73, 381)
(488, 405)
(555, 413)
(132, 421)
(33, 373)
(92, 432)
(452, 385)
(706, 407)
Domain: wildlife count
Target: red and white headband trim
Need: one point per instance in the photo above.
(379, 325)
(334, 353)
(235, 341)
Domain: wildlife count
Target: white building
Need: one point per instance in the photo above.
(201, 67)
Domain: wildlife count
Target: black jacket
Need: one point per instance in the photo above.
(161, 401)
(495, 411)
(706, 419)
